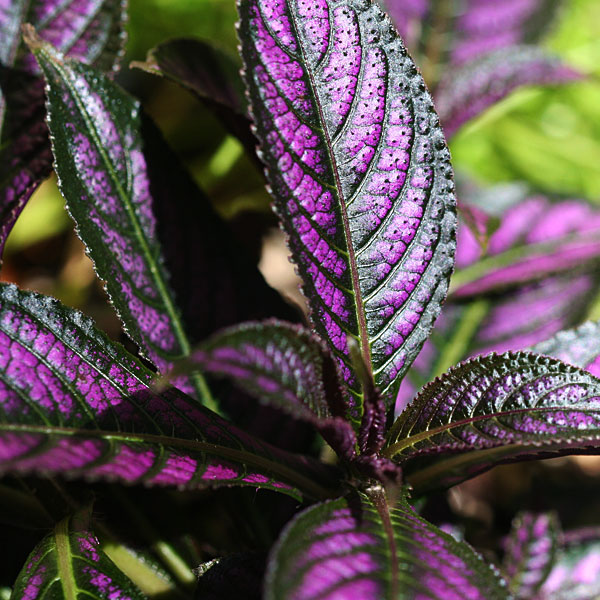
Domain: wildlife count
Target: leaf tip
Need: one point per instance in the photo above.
(30, 37)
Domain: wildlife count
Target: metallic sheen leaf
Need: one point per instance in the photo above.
(284, 366)
(465, 93)
(356, 548)
(89, 30)
(69, 564)
(494, 409)
(75, 404)
(360, 174)
(530, 553)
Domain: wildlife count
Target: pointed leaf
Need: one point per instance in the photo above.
(69, 564)
(530, 553)
(495, 409)
(355, 548)
(536, 238)
(284, 366)
(77, 405)
(360, 174)
(465, 93)
(143, 220)
(90, 30)
(211, 74)
(579, 347)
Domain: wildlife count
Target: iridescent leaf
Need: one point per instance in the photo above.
(90, 30)
(494, 409)
(579, 347)
(69, 563)
(77, 405)
(165, 256)
(465, 93)
(284, 366)
(530, 553)
(536, 238)
(360, 174)
(356, 547)
(211, 74)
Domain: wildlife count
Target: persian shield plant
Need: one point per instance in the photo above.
(359, 171)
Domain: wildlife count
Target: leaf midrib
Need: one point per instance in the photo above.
(138, 233)
(398, 447)
(243, 457)
(63, 559)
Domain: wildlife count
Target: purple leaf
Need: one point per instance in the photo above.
(484, 26)
(536, 238)
(77, 405)
(530, 553)
(212, 75)
(284, 366)
(356, 548)
(90, 30)
(152, 235)
(579, 347)
(69, 563)
(495, 409)
(360, 174)
(467, 92)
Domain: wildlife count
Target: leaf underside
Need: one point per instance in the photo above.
(69, 563)
(360, 173)
(493, 409)
(74, 404)
(348, 549)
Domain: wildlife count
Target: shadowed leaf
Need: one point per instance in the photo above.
(89, 30)
(69, 564)
(354, 548)
(77, 405)
(494, 409)
(212, 75)
(360, 174)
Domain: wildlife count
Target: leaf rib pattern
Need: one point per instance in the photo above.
(493, 409)
(74, 404)
(341, 550)
(360, 174)
(69, 563)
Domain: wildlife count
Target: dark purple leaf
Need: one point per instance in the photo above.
(530, 553)
(77, 405)
(494, 409)
(467, 92)
(284, 366)
(360, 174)
(152, 235)
(357, 548)
(575, 575)
(212, 75)
(579, 347)
(536, 238)
(89, 30)
(69, 563)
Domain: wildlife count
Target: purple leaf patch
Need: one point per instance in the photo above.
(360, 175)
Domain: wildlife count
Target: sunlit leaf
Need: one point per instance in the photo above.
(360, 174)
